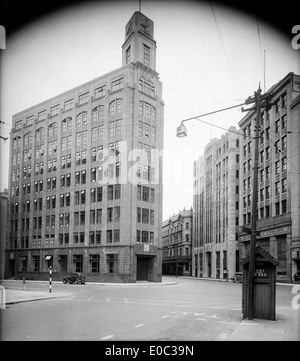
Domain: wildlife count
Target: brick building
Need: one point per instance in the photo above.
(85, 183)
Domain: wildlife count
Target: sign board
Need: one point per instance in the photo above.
(146, 247)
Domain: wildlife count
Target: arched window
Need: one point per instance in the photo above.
(52, 129)
(98, 113)
(81, 119)
(40, 134)
(66, 124)
(115, 108)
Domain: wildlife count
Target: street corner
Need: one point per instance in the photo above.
(18, 296)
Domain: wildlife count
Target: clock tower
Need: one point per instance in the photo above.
(139, 45)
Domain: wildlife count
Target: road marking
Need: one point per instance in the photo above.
(140, 325)
(125, 300)
(108, 300)
(230, 323)
(107, 337)
(90, 299)
(201, 319)
(169, 316)
(213, 316)
(249, 323)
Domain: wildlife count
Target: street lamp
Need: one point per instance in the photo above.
(181, 131)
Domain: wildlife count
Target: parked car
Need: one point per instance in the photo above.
(297, 277)
(78, 278)
(238, 277)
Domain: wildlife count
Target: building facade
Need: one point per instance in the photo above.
(177, 234)
(85, 186)
(279, 177)
(215, 251)
(3, 223)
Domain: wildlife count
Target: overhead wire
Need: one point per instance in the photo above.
(223, 46)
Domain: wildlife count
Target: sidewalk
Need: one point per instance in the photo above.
(18, 296)
(286, 327)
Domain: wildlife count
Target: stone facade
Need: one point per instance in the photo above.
(85, 187)
(215, 208)
(279, 178)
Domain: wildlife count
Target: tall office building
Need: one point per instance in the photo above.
(215, 208)
(85, 184)
(279, 177)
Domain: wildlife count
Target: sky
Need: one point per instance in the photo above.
(208, 57)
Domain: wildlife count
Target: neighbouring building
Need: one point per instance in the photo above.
(215, 251)
(177, 234)
(3, 226)
(85, 179)
(279, 177)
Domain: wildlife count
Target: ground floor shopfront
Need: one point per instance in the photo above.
(126, 264)
(277, 241)
(177, 266)
(219, 261)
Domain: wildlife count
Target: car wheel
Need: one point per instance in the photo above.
(64, 281)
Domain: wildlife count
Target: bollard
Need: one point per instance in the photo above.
(23, 283)
(50, 278)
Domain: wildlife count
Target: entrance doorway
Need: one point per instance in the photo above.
(145, 268)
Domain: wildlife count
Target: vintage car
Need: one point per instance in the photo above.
(238, 277)
(78, 278)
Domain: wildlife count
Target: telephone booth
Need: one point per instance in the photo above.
(264, 287)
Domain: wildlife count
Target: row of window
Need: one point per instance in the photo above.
(115, 110)
(80, 197)
(265, 212)
(93, 265)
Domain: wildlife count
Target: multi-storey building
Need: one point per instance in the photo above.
(279, 177)
(215, 209)
(177, 234)
(85, 185)
(3, 223)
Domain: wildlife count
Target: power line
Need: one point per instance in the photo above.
(224, 48)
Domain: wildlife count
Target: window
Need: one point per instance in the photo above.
(112, 263)
(99, 92)
(42, 115)
(94, 258)
(283, 164)
(36, 263)
(283, 143)
(54, 110)
(117, 84)
(277, 208)
(283, 186)
(83, 98)
(68, 104)
(146, 55)
(81, 119)
(128, 55)
(283, 122)
(66, 124)
(277, 188)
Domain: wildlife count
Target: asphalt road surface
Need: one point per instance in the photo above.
(188, 311)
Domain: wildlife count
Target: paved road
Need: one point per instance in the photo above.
(188, 311)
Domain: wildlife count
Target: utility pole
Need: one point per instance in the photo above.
(260, 102)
